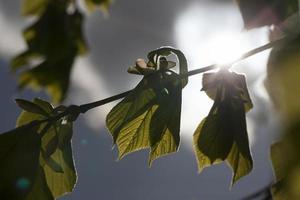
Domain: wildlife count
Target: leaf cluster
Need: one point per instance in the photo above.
(36, 157)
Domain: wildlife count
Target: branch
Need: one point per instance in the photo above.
(85, 107)
(75, 110)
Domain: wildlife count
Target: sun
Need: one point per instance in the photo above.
(206, 41)
(226, 47)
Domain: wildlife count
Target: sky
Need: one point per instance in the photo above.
(205, 31)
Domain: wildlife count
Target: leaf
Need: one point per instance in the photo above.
(40, 189)
(165, 122)
(92, 5)
(257, 13)
(222, 135)
(56, 157)
(145, 117)
(53, 41)
(211, 82)
(31, 107)
(19, 154)
(33, 7)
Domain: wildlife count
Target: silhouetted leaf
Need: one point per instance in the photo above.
(31, 107)
(222, 135)
(257, 13)
(19, 155)
(53, 41)
(40, 189)
(149, 117)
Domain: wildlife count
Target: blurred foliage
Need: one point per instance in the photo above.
(94, 4)
(36, 158)
(222, 135)
(282, 83)
(54, 41)
(257, 13)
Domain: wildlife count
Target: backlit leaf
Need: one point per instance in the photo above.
(149, 117)
(222, 135)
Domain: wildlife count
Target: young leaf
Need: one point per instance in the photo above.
(128, 121)
(222, 135)
(145, 118)
(31, 107)
(165, 122)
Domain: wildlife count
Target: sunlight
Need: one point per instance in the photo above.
(218, 39)
(225, 47)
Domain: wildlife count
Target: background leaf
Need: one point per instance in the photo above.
(33, 7)
(53, 41)
(94, 4)
(257, 13)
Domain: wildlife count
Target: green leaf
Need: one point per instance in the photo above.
(31, 107)
(266, 12)
(222, 135)
(33, 7)
(165, 122)
(19, 154)
(145, 117)
(56, 159)
(52, 49)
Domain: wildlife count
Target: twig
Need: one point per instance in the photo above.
(76, 110)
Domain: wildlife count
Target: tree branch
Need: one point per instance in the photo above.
(75, 110)
(85, 107)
